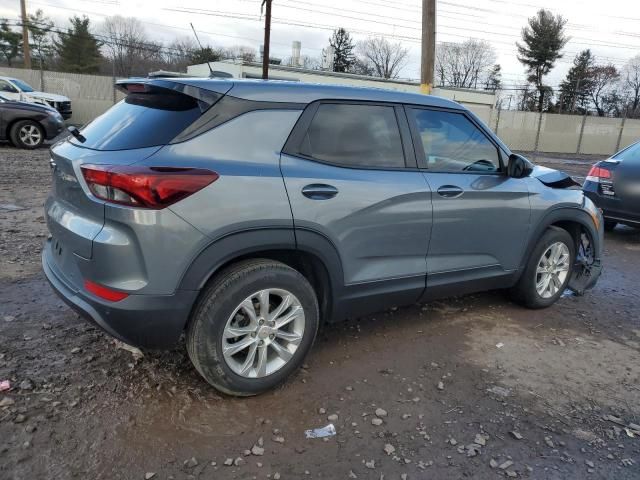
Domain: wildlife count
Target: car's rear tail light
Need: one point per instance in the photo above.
(145, 187)
(104, 292)
(597, 173)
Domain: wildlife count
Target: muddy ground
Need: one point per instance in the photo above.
(473, 387)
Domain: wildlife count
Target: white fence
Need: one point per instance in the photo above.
(91, 95)
(558, 133)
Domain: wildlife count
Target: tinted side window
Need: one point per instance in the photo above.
(141, 120)
(355, 136)
(452, 143)
(7, 87)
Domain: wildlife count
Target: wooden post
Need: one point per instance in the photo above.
(620, 134)
(267, 39)
(428, 55)
(584, 119)
(26, 51)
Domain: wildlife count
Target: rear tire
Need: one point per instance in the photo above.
(609, 225)
(544, 269)
(27, 134)
(242, 348)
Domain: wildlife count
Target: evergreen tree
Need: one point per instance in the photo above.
(543, 39)
(10, 42)
(575, 88)
(494, 79)
(78, 49)
(343, 57)
(205, 54)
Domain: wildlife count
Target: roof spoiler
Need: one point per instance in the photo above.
(151, 85)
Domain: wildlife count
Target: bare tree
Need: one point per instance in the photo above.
(385, 58)
(128, 47)
(631, 85)
(464, 65)
(242, 52)
(604, 79)
(178, 55)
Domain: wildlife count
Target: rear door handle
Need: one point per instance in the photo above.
(319, 191)
(450, 191)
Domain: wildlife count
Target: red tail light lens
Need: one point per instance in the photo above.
(145, 187)
(599, 172)
(104, 292)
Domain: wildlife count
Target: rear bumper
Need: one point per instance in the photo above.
(146, 321)
(613, 208)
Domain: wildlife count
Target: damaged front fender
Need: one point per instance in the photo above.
(553, 178)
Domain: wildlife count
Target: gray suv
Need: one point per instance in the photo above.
(245, 213)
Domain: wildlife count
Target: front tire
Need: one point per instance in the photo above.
(252, 327)
(548, 270)
(27, 134)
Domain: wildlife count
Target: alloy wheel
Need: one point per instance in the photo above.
(263, 333)
(30, 135)
(552, 270)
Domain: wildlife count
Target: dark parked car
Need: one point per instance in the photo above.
(614, 186)
(245, 213)
(28, 125)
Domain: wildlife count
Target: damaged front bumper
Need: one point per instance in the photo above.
(588, 265)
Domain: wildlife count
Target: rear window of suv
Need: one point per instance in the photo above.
(141, 120)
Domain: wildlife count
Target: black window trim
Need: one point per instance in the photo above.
(225, 109)
(419, 147)
(293, 145)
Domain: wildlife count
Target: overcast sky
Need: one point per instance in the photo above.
(609, 28)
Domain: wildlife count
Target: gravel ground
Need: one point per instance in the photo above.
(473, 387)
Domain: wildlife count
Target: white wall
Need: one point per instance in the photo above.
(90, 95)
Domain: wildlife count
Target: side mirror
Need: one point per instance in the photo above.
(519, 167)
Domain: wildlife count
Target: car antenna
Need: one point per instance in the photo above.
(201, 49)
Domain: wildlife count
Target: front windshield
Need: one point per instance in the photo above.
(631, 153)
(25, 87)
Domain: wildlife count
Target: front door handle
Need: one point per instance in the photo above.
(450, 191)
(319, 191)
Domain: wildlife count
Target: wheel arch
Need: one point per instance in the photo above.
(310, 253)
(574, 221)
(13, 121)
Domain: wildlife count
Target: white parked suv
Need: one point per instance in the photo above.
(14, 89)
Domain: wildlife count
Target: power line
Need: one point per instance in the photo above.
(251, 17)
(395, 24)
(286, 21)
(173, 27)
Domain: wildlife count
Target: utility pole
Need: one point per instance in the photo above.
(25, 36)
(427, 64)
(575, 95)
(267, 40)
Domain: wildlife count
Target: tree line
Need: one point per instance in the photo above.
(589, 86)
(119, 46)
